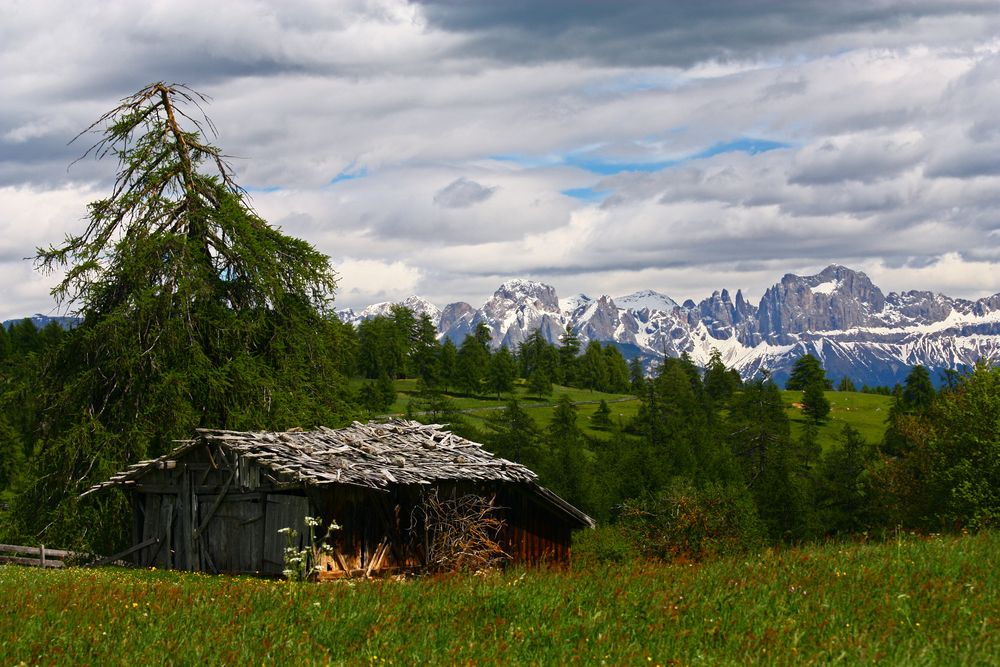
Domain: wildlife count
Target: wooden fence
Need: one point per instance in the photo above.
(34, 556)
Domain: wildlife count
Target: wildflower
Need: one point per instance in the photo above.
(284, 531)
(312, 521)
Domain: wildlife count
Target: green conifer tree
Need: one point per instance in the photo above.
(448, 363)
(815, 405)
(807, 371)
(601, 419)
(501, 371)
(195, 312)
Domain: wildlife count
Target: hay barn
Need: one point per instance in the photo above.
(216, 503)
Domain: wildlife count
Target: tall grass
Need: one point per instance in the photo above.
(908, 602)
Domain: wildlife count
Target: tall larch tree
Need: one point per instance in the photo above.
(195, 312)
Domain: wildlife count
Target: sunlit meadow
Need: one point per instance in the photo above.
(910, 600)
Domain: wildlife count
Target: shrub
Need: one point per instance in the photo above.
(684, 522)
(603, 545)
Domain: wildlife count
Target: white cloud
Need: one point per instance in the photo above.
(890, 123)
(365, 281)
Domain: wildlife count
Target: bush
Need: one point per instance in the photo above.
(687, 523)
(603, 545)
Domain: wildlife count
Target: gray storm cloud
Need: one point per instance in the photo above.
(462, 193)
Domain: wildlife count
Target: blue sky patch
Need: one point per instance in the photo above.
(608, 166)
(586, 194)
(349, 174)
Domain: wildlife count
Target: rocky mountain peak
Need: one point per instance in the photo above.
(836, 298)
(539, 295)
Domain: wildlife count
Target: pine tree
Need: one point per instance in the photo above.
(379, 348)
(601, 419)
(815, 405)
(846, 384)
(567, 467)
(760, 438)
(719, 382)
(514, 435)
(404, 332)
(5, 345)
(918, 392)
(501, 372)
(618, 371)
(24, 338)
(195, 313)
(448, 363)
(806, 371)
(425, 356)
(569, 350)
(845, 490)
(539, 384)
(636, 376)
(472, 361)
(592, 368)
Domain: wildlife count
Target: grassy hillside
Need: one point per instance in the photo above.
(865, 412)
(911, 601)
(479, 408)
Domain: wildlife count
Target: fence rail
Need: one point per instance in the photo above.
(34, 556)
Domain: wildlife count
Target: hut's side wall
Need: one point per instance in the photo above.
(534, 533)
(214, 513)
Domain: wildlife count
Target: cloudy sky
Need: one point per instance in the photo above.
(440, 147)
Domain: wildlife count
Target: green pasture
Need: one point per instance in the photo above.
(479, 408)
(909, 601)
(865, 412)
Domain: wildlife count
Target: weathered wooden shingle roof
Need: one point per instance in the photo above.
(374, 455)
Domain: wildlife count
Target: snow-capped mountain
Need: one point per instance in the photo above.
(839, 315)
(515, 310)
(417, 304)
(646, 299)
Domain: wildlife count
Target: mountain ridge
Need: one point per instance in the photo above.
(838, 315)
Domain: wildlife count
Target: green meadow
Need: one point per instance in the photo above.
(865, 412)
(479, 408)
(908, 601)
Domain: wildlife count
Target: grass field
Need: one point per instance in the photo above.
(865, 412)
(912, 601)
(479, 408)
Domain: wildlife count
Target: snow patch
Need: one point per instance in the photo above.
(828, 287)
(645, 299)
(570, 304)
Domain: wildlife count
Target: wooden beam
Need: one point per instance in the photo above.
(118, 556)
(196, 535)
(185, 499)
(31, 551)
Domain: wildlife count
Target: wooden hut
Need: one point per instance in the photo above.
(216, 503)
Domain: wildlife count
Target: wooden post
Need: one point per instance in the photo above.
(186, 527)
(41, 554)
